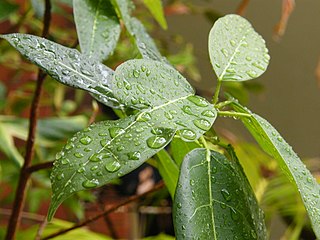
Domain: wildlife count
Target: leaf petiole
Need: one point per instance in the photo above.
(223, 104)
(216, 93)
(233, 114)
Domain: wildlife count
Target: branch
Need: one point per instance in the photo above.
(106, 212)
(39, 166)
(24, 173)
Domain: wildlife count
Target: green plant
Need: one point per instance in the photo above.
(158, 108)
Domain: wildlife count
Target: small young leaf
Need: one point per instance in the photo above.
(237, 52)
(272, 143)
(168, 170)
(155, 7)
(98, 27)
(103, 152)
(214, 200)
(180, 148)
(66, 65)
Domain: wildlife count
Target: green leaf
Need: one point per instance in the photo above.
(272, 143)
(163, 94)
(156, 9)
(7, 8)
(66, 65)
(103, 152)
(214, 200)
(97, 26)
(7, 146)
(144, 42)
(168, 170)
(180, 148)
(237, 52)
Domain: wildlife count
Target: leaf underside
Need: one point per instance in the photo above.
(66, 65)
(214, 200)
(272, 143)
(111, 149)
(97, 26)
(236, 51)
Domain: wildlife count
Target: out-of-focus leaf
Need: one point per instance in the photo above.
(237, 52)
(7, 8)
(7, 146)
(155, 7)
(168, 170)
(161, 236)
(271, 142)
(98, 27)
(180, 148)
(38, 7)
(214, 200)
(2, 95)
(66, 65)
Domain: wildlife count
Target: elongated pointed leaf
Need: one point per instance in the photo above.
(272, 142)
(103, 152)
(237, 52)
(98, 27)
(165, 94)
(144, 42)
(66, 65)
(214, 200)
(168, 170)
(156, 9)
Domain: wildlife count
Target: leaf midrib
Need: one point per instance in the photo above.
(94, 29)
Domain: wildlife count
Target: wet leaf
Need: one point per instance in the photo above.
(237, 52)
(66, 65)
(214, 200)
(155, 7)
(272, 143)
(98, 27)
(168, 170)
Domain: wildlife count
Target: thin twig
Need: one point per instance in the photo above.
(24, 215)
(106, 212)
(39, 166)
(242, 7)
(18, 204)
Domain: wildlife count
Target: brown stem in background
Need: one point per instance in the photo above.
(39, 166)
(106, 212)
(18, 204)
(242, 7)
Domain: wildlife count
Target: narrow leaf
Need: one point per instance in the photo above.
(214, 200)
(237, 52)
(97, 26)
(66, 65)
(272, 143)
(156, 9)
(168, 170)
(7, 8)
(103, 152)
(165, 95)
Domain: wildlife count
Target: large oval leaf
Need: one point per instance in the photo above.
(98, 27)
(272, 142)
(214, 200)
(237, 52)
(66, 65)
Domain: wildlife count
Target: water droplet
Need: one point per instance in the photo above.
(187, 110)
(148, 72)
(168, 115)
(259, 66)
(120, 148)
(156, 142)
(244, 44)
(233, 43)
(253, 234)
(78, 155)
(69, 146)
(192, 182)
(97, 157)
(90, 183)
(86, 140)
(234, 214)
(202, 124)
(251, 73)
(248, 58)
(187, 134)
(199, 101)
(59, 155)
(141, 88)
(226, 195)
(136, 73)
(86, 72)
(94, 168)
(179, 205)
(144, 117)
(267, 57)
(143, 68)
(65, 161)
(225, 52)
(81, 170)
(157, 131)
(60, 177)
(112, 166)
(208, 113)
(231, 70)
(217, 65)
(134, 155)
(114, 131)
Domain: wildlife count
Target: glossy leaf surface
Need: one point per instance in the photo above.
(237, 52)
(155, 7)
(180, 148)
(272, 143)
(66, 65)
(214, 200)
(98, 27)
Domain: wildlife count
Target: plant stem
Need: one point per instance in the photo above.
(223, 104)
(39, 166)
(233, 114)
(106, 212)
(216, 93)
(18, 204)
